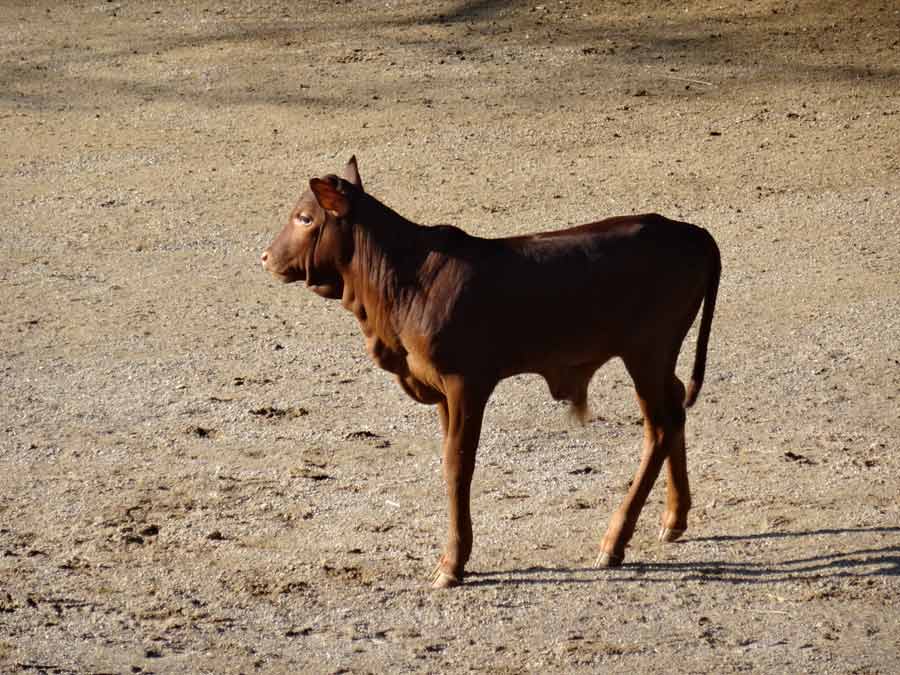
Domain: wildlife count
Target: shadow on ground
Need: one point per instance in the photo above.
(198, 64)
(883, 561)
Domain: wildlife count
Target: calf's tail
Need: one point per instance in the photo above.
(709, 307)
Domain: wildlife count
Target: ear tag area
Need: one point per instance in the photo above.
(330, 197)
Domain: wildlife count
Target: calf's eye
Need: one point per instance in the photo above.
(303, 219)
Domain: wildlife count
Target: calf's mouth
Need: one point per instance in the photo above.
(286, 275)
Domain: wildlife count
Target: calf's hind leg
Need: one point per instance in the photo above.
(678, 492)
(662, 430)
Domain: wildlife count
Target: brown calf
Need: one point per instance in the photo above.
(451, 315)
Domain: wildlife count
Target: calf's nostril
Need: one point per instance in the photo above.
(264, 257)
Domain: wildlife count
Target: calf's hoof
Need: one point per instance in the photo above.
(670, 534)
(609, 560)
(442, 579)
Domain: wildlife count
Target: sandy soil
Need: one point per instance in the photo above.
(202, 472)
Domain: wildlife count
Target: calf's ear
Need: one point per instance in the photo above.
(329, 197)
(351, 172)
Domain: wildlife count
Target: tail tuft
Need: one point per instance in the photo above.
(693, 391)
(579, 411)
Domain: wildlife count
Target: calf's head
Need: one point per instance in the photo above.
(317, 240)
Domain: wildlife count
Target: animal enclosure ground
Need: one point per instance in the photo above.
(201, 470)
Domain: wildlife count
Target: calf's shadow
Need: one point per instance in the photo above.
(873, 562)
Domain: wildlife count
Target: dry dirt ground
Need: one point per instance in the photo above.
(202, 472)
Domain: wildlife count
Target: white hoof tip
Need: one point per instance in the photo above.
(669, 534)
(443, 580)
(609, 560)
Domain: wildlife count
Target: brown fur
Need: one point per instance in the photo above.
(451, 314)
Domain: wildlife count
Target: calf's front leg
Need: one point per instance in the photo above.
(462, 415)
